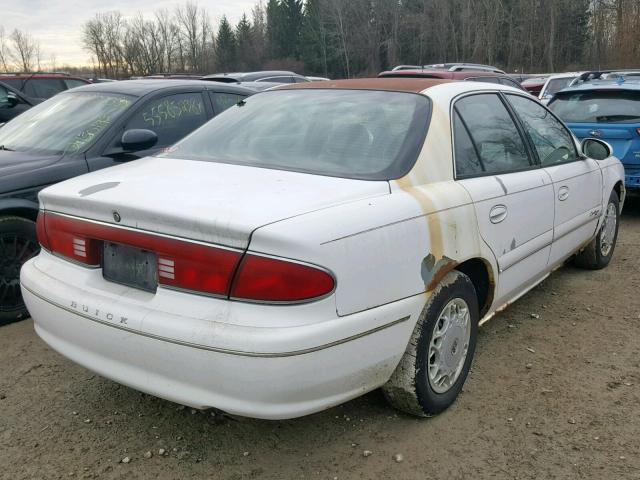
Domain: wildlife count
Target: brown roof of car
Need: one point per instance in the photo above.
(392, 84)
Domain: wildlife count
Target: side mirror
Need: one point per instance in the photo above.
(12, 99)
(596, 149)
(136, 139)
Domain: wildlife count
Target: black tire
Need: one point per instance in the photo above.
(18, 243)
(592, 256)
(409, 388)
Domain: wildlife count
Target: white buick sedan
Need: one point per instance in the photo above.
(319, 241)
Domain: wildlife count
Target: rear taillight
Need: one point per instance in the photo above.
(68, 238)
(41, 233)
(189, 265)
(638, 131)
(273, 280)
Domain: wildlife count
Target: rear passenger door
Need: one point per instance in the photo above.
(577, 182)
(512, 195)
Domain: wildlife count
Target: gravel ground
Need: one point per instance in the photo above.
(554, 394)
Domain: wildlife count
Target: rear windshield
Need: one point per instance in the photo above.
(557, 84)
(360, 134)
(597, 107)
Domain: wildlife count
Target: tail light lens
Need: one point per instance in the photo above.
(188, 265)
(638, 131)
(41, 233)
(274, 280)
(68, 238)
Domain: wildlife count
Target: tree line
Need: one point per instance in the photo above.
(347, 38)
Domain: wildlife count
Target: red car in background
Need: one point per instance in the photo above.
(534, 85)
(42, 85)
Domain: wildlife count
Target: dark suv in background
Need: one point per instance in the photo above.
(42, 85)
(13, 103)
(92, 127)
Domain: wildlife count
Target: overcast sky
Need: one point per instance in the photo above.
(57, 24)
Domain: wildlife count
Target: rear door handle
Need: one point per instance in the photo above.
(563, 193)
(498, 213)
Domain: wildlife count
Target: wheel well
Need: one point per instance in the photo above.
(23, 212)
(619, 189)
(482, 278)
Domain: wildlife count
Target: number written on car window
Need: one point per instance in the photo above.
(171, 117)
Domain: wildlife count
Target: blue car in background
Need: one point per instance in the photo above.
(608, 110)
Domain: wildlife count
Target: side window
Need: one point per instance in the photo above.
(4, 97)
(551, 140)
(484, 79)
(277, 79)
(171, 117)
(73, 83)
(222, 101)
(467, 159)
(300, 80)
(43, 87)
(510, 83)
(497, 141)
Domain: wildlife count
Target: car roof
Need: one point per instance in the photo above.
(146, 86)
(612, 85)
(29, 76)
(247, 76)
(414, 85)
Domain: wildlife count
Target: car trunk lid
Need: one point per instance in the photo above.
(209, 202)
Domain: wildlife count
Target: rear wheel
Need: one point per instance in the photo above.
(18, 244)
(599, 252)
(438, 357)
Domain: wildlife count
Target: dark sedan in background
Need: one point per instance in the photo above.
(82, 130)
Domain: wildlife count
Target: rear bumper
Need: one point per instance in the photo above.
(263, 372)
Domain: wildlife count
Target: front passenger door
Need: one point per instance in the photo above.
(171, 117)
(577, 182)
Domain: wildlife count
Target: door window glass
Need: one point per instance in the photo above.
(171, 117)
(43, 87)
(551, 140)
(222, 101)
(4, 97)
(494, 134)
(467, 160)
(73, 83)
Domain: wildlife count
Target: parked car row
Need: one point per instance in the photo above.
(274, 253)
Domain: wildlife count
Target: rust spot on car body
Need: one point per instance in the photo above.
(433, 272)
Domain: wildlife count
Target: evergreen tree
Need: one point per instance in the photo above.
(225, 47)
(274, 28)
(289, 37)
(244, 44)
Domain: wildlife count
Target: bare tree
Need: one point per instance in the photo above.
(4, 51)
(25, 51)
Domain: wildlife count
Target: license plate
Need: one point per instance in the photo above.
(130, 266)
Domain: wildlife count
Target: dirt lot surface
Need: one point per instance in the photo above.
(549, 397)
